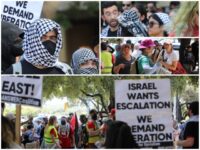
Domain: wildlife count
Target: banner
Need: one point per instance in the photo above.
(21, 13)
(145, 105)
(21, 90)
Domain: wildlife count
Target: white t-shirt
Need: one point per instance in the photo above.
(169, 58)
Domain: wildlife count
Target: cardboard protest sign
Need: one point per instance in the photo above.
(21, 13)
(21, 90)
(145, 105)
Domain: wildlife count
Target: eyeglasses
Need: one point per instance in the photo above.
(128, 5)
(151, 24)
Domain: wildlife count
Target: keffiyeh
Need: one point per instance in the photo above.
(79, 57)
(130, 20)
(34, 51)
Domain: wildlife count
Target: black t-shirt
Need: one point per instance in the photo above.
(112, 33)
(124, 32)
(192, 130)
(28, 68)
(122, 60)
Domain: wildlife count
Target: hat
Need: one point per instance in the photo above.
(146, 43)
(163, 17)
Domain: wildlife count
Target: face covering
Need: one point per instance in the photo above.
(50, 46)
(94, 117)
(87, 71)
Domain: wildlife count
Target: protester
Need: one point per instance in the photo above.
(93, 129)
(51, 135)
(84, 133)
(186, 20)
(28, 136)
(171, 59)
(119, 136)
(189, 136)
(44, 123)
(189, 59)
(151, 8)
(106, 59)
(130, 20)
(65, 132)
(159, 25)
(84, 62)
(127, 5)
(110, 12)
(123, 62)
(145, 63)
(11, 44)
(42, 44)
(8, 134)
(195, 51)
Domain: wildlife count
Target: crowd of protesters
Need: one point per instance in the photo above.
(148, 56)
(142, 19)
(91, 131)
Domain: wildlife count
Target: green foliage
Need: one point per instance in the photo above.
(73, 87)
(77, 11)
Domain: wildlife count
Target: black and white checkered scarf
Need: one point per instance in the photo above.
(130, 20)
(34, 51)
(79, 57)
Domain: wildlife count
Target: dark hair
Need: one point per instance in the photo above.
(103, 46)
(83, 119)
(63, 122)
(194, 107)
(2, 105)
(107, 5)
(92, 111)
(142, 10)
(155, 16)
(128, 42)
(119, 135)
(30, 126)
(51, 120)
(174, 3)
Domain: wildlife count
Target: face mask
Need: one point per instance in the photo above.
(17, 49)
(94, 117)
(50, 46)
(87, 71)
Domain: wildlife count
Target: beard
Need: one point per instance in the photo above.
(113, 23)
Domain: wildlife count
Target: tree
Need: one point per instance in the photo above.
(101, 88)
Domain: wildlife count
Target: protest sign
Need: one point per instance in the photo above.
(21, 13)
(145, 105)
(21, 90)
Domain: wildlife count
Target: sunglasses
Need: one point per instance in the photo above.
(151, 24)
(128, 5)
